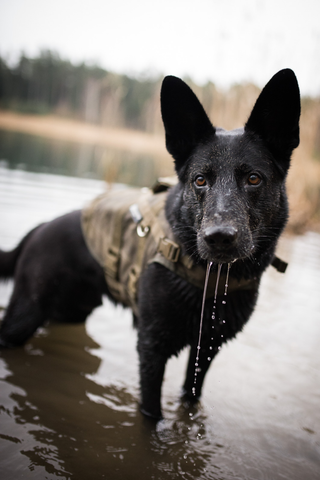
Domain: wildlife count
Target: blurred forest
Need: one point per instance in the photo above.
(51, 85)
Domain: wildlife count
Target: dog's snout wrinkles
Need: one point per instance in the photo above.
(221, 236)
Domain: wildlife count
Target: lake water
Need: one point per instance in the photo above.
(39, 154)
(68, 399)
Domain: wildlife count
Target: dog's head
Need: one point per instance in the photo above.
(230, 202)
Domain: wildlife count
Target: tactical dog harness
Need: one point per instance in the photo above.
(126, 230)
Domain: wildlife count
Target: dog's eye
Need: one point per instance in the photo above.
(254, 179)
(200, 181)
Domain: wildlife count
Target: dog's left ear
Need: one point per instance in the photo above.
(275, 117)
(185, 121)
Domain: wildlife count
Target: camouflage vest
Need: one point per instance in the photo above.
(126, 230)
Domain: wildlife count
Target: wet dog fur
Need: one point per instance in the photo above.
(229, 206)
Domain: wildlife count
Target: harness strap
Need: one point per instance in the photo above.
(113, 254)
(147, 222)
(145, 225)
(279, 264)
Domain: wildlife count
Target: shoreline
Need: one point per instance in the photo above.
(57, 128)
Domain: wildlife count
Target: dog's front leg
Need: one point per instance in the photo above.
(152, 366)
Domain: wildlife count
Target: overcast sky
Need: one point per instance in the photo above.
(225, 41)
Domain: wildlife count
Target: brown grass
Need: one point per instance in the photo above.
(304, 193)
(304, 174)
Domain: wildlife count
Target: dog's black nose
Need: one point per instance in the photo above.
(220, 236)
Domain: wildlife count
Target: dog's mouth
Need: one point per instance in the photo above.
(224, 257)
(221, 257)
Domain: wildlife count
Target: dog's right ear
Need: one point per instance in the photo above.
(275, 117)
(185, 121)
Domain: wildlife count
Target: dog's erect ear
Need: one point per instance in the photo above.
(275, 117)
(185, 121)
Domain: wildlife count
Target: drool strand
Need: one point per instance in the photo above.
(216, 292)
(209, 264)
(213, 317)
(226, 285)
(201, 317)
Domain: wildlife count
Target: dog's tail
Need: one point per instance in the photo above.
(8, 260)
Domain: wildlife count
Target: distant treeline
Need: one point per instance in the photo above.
(48, 84)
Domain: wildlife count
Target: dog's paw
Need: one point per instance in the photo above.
(188, 398)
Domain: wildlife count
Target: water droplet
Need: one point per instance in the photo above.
(210, 348)
(221, 336)
(226, 284)
(209, 359)
(219, 348)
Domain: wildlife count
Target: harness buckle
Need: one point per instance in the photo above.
(111, 266)
(169, 249)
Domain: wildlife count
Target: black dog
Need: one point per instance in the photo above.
(229, 206)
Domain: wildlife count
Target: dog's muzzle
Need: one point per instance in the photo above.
(221, 237)
(223, 244)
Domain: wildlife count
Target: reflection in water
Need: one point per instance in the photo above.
(39, 154)
(69, 426)
(68, 399)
